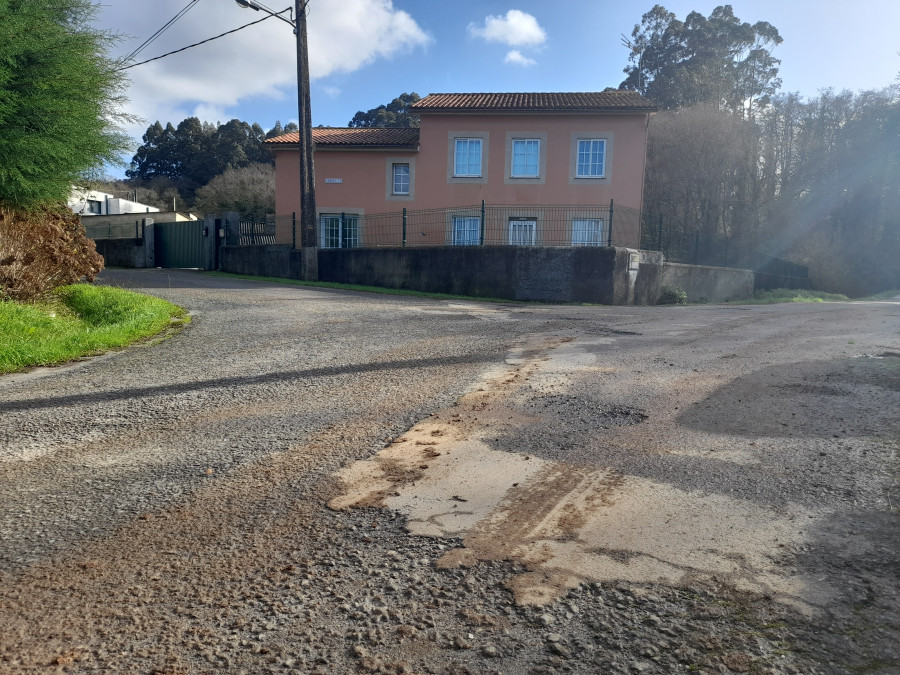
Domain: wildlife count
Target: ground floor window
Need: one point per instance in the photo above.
(522, 231)
(466, 231)
(587, 232)
(339, 231)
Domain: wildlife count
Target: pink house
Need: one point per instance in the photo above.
(568, 154)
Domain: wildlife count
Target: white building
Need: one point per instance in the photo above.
(93, 203)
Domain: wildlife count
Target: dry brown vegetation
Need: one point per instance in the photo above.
(42, 250)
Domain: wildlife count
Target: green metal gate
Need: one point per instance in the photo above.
(179, 244)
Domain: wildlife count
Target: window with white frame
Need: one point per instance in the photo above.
(466, 231)
(401, 179)
(522, 231)
(587, 232)
(339, 231)
(591, 158)
(526, 154)
(467, 157)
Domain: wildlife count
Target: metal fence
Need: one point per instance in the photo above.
(475, 225)
(694, 248)
(115, 231)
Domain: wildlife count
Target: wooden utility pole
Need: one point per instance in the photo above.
(309, 251)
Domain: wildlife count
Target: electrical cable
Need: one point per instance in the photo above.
(202, 42)
(162, 30)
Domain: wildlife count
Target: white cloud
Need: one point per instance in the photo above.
(258, 62)
(516, 29)
(331, 92)
(515, 57)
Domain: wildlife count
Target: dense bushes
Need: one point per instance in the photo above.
(42, 250)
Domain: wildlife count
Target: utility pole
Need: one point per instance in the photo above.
(309, 251)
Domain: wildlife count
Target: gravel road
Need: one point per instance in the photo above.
(703, 489)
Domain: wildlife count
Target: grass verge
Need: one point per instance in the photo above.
(367, 289)
(790, 295)
(79, 320)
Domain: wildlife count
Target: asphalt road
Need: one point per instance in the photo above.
(707, 488)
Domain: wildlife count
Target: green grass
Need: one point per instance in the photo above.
(367, 289)
(790, 295)
(884, 295)
(76, 321)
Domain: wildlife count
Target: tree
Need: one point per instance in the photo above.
(718, 60)
(394, 114)
(60, 96)
(249, 190)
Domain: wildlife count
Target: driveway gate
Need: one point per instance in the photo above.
(179, 244)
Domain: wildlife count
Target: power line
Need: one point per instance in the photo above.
(202, 42)
(162, 30)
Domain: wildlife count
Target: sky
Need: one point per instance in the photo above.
(363, 53)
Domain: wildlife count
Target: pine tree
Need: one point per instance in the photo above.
(60, 94)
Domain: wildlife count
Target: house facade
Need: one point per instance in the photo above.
(532, 153)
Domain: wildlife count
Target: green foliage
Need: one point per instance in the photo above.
(777, 295)
(193, 153)
(718, 60)
(59, 99)
(78, 320)
(394, 114)
(673, 295)
(41, 250)
(249, 190)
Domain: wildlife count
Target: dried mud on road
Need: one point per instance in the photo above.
(322, 482)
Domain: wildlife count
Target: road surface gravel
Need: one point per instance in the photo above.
(697, 489)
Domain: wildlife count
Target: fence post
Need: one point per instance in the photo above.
(697, 247)
(293, 229)
(481, 236)
(109, 230)
(725, 261)
(609, 233)
(404, 226)
(659, 234)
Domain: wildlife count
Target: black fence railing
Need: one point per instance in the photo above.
(475, 225)
(693, 248)
(133, 230)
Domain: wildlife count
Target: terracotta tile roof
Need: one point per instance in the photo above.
(611, 100)
(356, 138)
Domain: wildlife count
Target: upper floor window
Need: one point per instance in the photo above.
(467, 157)
(526, 155)
(591, 158)
(94, 206)
(401, 179)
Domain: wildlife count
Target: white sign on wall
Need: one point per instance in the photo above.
(334, 180)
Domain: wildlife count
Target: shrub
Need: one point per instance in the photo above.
(672, 295)
(43, 250)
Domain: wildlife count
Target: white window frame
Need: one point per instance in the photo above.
(465, 163)
(345, 236)
(585, 151)
(466, 231)
(398, 185)
(517, 229)
(582, 234)
(526, 147)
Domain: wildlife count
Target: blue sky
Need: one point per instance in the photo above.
(366, 52)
